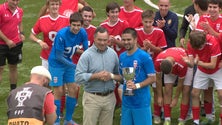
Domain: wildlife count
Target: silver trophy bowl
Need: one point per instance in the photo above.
(128, 74)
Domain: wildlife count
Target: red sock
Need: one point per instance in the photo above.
(167, 110)
(183, 111)
(220, 119)
(63, 102)
(157, 109)
(208, 107)
(196, 113)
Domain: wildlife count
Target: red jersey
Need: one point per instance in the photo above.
(156, 37)
(179, 67)
(68, 7)
(215, 24)
(49, 27)
(132, 17)
(9, 23)
(90, 33)
(116, 30)
(211, 49)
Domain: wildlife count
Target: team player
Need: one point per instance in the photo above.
(136, 110)
(49, 25)
(87, 15)
(204, 51)
(115, 26)
(11, 37)
(131, 13)
(67, 7)
(167, 21)
(171, 64)
(61, 66)
(152, 40)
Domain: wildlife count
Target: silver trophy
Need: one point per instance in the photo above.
(128, 74)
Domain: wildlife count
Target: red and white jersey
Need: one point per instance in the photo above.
(90, 33)
(9, 23)
(215, 24)
(132, 17)
(179, 67)
(156, 37)
(49, 27)
(210, 49)
(68, 7)
(116, 31)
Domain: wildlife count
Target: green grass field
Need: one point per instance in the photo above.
(31, 51)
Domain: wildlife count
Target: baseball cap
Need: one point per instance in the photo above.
(40, 70)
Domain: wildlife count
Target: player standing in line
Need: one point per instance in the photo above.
(49, 25)
(152, 40)
(61, 66)
(171, 64)
(136, 109)
(167, 21)
(87, 15)
(131, 13)
(115, 26)
(204, 51)
(11, 37)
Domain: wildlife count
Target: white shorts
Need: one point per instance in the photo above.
(171, 78)
(45, 63)
(202, 80)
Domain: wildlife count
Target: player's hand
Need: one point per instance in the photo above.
(22, 37)
(43, 45)
(130, 84)
(161, 23)
(10, 44)
(182, 42)
(196, 60)
(174, 102)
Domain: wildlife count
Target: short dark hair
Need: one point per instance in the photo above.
(218, 2)
(197, 39)
(112, 6)
(203, 4)
(166, 66)
(100, 29)
(131, 31)
(75, 17)
(87, 8)
(148, 14)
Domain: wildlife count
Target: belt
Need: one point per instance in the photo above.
(102, 93)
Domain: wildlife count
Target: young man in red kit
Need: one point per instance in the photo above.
(131, 13)
(204, 51)
(152, 40)
(172, 64)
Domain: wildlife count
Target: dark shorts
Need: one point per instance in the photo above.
(13, 55)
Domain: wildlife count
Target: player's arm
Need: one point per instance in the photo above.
(210, 65)
(50, 109)
(22, 35)
(178, 91)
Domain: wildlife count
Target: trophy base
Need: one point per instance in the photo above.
(128, 93)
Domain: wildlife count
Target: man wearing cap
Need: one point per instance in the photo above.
(32, 103)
